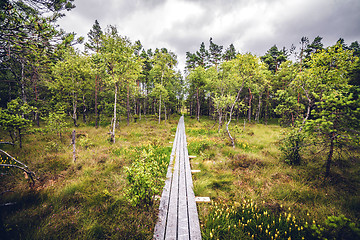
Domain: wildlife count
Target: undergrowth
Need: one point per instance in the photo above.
(85, 199)
(255, 171)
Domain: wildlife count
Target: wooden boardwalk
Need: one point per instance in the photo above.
(178, 217)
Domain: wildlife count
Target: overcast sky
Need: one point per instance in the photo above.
(251, 25)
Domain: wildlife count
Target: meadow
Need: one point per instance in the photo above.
(254, 193)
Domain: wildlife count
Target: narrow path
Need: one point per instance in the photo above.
(178, 216)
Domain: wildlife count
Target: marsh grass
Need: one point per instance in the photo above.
(254, 170)
(85, 199)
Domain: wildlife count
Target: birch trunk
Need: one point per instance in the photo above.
(249, 112)
(114, 118)
(128, 104)
(96, 102)
(74, 145)
(198, 105)
(257, 117)
(230, 115)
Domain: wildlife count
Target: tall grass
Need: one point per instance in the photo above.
(254, 170)
(85, 199)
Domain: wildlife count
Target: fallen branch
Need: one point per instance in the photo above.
(10, 143)
(2, 151)
(29, 173)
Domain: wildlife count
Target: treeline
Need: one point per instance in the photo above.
(316, 96)
(44, 76)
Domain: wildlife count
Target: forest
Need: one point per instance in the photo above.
(84, 135)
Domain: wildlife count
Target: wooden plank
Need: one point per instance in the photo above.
(160, 227)
(178, 217)
(183, 218)
(195, 171)
(172, 218)
(202, 199)
(194, 224)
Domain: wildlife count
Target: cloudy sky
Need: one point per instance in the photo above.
(251, 25)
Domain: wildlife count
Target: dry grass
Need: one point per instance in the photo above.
(85, 199)
(254, 170)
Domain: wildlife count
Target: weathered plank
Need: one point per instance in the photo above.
(194, 225)
(159, 231)
(178, 217)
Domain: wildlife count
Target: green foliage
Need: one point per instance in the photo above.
(53, 146)
(288, 108)
(56, 121)
(336, 227)
(291, 146)
(248, 220)
(197, 147)
(14, 118)
(145, 176)
(274, 57)
(85, 142)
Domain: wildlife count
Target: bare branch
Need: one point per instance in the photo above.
(30, 174)
(13, 158)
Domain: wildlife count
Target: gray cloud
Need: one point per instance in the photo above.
(253, 26)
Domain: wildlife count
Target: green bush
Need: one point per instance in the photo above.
(198, 147)
(53, 146)
(291, 146)
(85, 142)
(146, 175)
(336, 227)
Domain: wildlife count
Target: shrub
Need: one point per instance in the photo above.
(53, 146)
(291, 146)
(196, 147)
(85, 142)
(146, 175)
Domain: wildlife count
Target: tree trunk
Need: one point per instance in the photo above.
(307, 112)
(198, 104)
(74, 145)
(74, 116)
(257, 116)
(128, 104)
(249, 112)
(330, 156)
(220, 121)
(267, 107)
(114, 118)
(230, 116)
(165, 113)
(96, 102)
(160, 109)
(23, 83)
(191, 107)
(84, 109)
